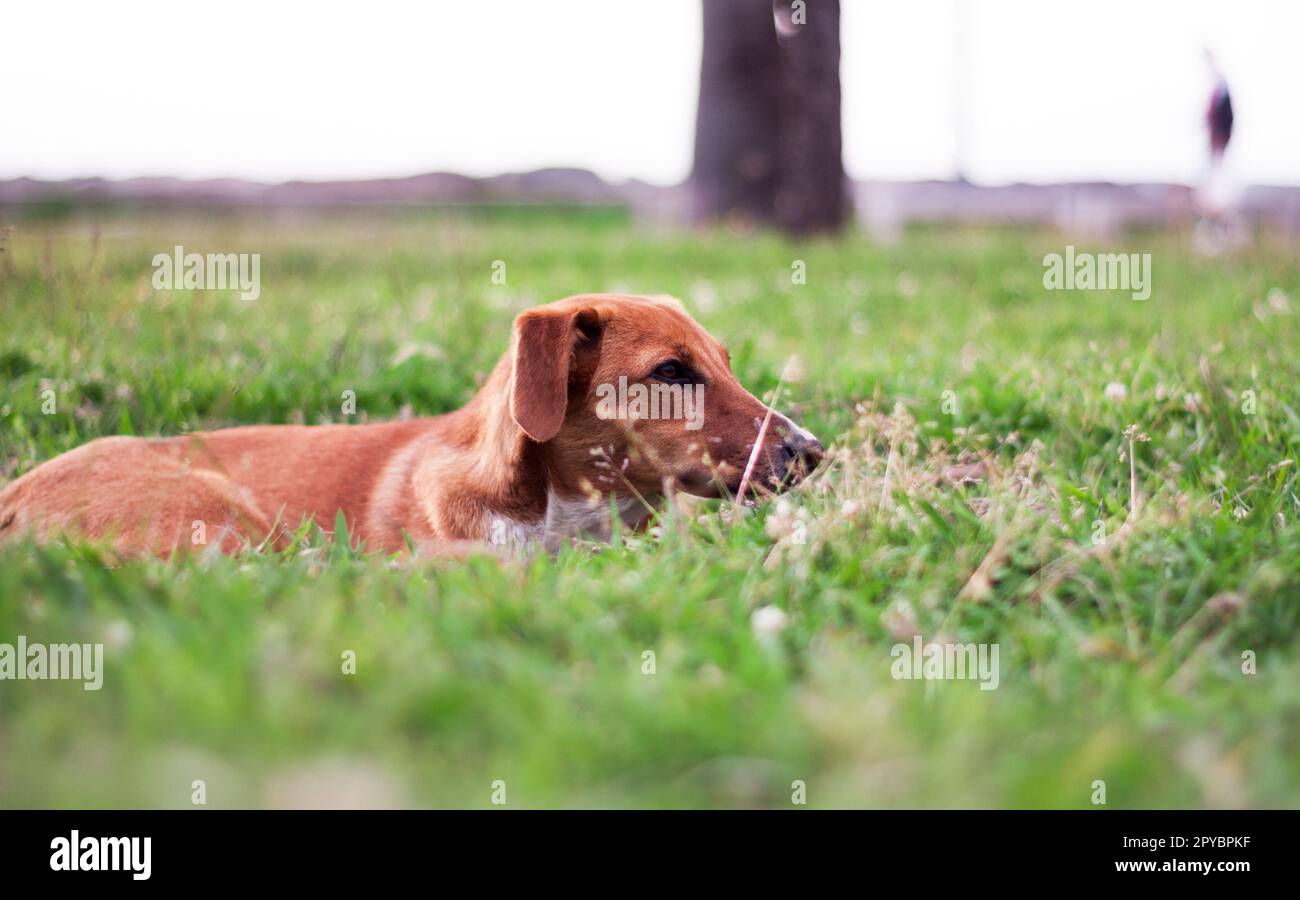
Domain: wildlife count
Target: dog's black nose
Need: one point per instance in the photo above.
(803, 451)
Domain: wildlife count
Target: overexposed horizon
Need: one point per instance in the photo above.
(1014, 91)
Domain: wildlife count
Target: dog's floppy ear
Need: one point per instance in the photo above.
(544, 344)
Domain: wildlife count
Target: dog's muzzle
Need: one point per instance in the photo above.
(797, 456)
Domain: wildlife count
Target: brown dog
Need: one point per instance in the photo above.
(532, 456)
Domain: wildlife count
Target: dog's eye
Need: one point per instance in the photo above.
(672, 371)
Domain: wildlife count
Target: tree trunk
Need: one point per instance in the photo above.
(768, 138)
(810, 186)
(738, 121)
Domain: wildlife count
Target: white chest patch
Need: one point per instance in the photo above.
(578, 516)
(565, 518)
(503, 532)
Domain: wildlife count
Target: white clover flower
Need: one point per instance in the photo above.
(768, 621)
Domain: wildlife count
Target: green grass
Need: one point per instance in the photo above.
(1115, 664)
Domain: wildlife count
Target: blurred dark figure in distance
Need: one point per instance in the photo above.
(1219, 116)
(1219, 228)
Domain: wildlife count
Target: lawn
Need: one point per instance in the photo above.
(980, 489)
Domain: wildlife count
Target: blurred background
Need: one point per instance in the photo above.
(1090, 116)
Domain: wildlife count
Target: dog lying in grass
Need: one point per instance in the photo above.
(540, 454)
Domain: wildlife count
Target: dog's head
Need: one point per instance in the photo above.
(627, 393)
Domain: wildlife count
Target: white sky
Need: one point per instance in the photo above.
(1107, 89)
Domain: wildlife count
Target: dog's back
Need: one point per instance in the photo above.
(231, 488)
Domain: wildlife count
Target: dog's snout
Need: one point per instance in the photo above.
(803, 450)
